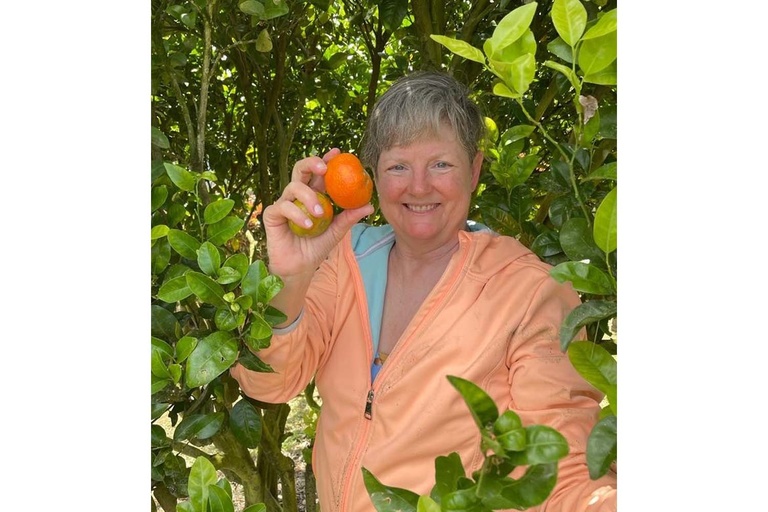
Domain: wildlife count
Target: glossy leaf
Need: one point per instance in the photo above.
(543, 445)
(606, 23)
(238, 262)
(576, 241)
(596, 54)
(180, 177)
(205, 288)
(217, 210)
(480, 404)
(260, 329)
(208, 258)
(584, 277)
(228, 320)
(158, 437)
(560, 49)
(200, 426)
(596, 365)
(459, 47)
(159, 139)
(160, 255)
(252, 7)
(528, 491)
(184, 243)
(220, 232)
(448, 471)
(584, 314)
(389, 499)
(219, 500)
(513, 25)
(253, 276)
(245, 423)
(158, 366)
(570, 19)
(274, 316)
(501, 89)
(604, 172)
(427, 504)
(211, 357)
(252, 362)
(462, 500)
(159, 195)
(606, 218)
(269, 287)
(184, 347)
(565, 70)
(546, 244)
(228, 275)
(259, 507)
(606, 76)
(163, 324)
(275, 9)
(202, 475)
(602, 447)
(392, 12)
(174, 290)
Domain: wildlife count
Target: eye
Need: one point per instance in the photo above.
(396, 168)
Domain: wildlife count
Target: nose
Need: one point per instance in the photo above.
(420, 182)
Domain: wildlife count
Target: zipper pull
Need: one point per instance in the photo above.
(369, 405)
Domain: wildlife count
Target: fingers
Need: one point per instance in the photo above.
(311, 169)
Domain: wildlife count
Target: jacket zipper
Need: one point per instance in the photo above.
(369, 405)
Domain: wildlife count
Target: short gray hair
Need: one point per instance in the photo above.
(416, 106)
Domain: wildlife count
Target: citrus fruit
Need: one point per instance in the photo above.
(319, 224)
(347, 182)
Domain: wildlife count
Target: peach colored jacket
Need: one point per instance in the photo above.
(493, 318)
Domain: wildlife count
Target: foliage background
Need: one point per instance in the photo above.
(93, 105)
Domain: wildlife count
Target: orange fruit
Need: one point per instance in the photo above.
(347, 182)
(319, 224)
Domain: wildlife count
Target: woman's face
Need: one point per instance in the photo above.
(425, 188)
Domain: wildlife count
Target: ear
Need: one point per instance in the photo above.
(477, 165)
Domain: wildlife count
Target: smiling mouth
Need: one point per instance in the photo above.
(421, 208)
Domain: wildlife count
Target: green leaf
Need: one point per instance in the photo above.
(480, 404)
(565, 70)
(163, 324)
(252, 7)
(159, 195)
(530, 490)
(462, 500)
(448, 471)
(607, 23)
(275, 9)
(252, 362)
(427, 504)
(159, 231)
(392, 12)
(180, 177)
(596, 54)
(219, 500)
(460, 48)
(597, 366)
(184, 347)
(160, 255)
(227, 320)
(220, 232)
(561, 49)
(174, 290)
(206, 288)
(217, 210)
(183, 243)
(584, 314)
(158, 384)
(389, 499)
(238, 262)
(211, 357)
(570, 20)
(605, 229)
(576, 241)
(260, 329)
(259, 507)
(543, 445)
(602, 447)
(546, 244)
(228, 275)
(209, 258)
(584, 277)
(253, 276)
(202, 476)
(606, 76)
(159, 367)
(159, 139)
(500, 89)
(185, 506)
(604, 172)
(513, 25)
(201, 426)
(269, 286)
(245, 423)
(518, 132)
(158, 437)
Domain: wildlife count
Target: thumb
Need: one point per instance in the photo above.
(344, 221)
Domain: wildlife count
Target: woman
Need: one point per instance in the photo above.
(381, 315)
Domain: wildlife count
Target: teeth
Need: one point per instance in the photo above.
(420, 208)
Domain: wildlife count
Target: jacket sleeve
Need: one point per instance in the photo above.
(295, 355)
(546, 390)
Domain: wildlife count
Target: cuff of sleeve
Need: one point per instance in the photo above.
(290, 327)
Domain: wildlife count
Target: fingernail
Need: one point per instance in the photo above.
(318, 209)
(308, 223)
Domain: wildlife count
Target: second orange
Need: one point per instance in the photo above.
(347, 182)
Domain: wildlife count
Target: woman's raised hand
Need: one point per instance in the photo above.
(292, 255)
